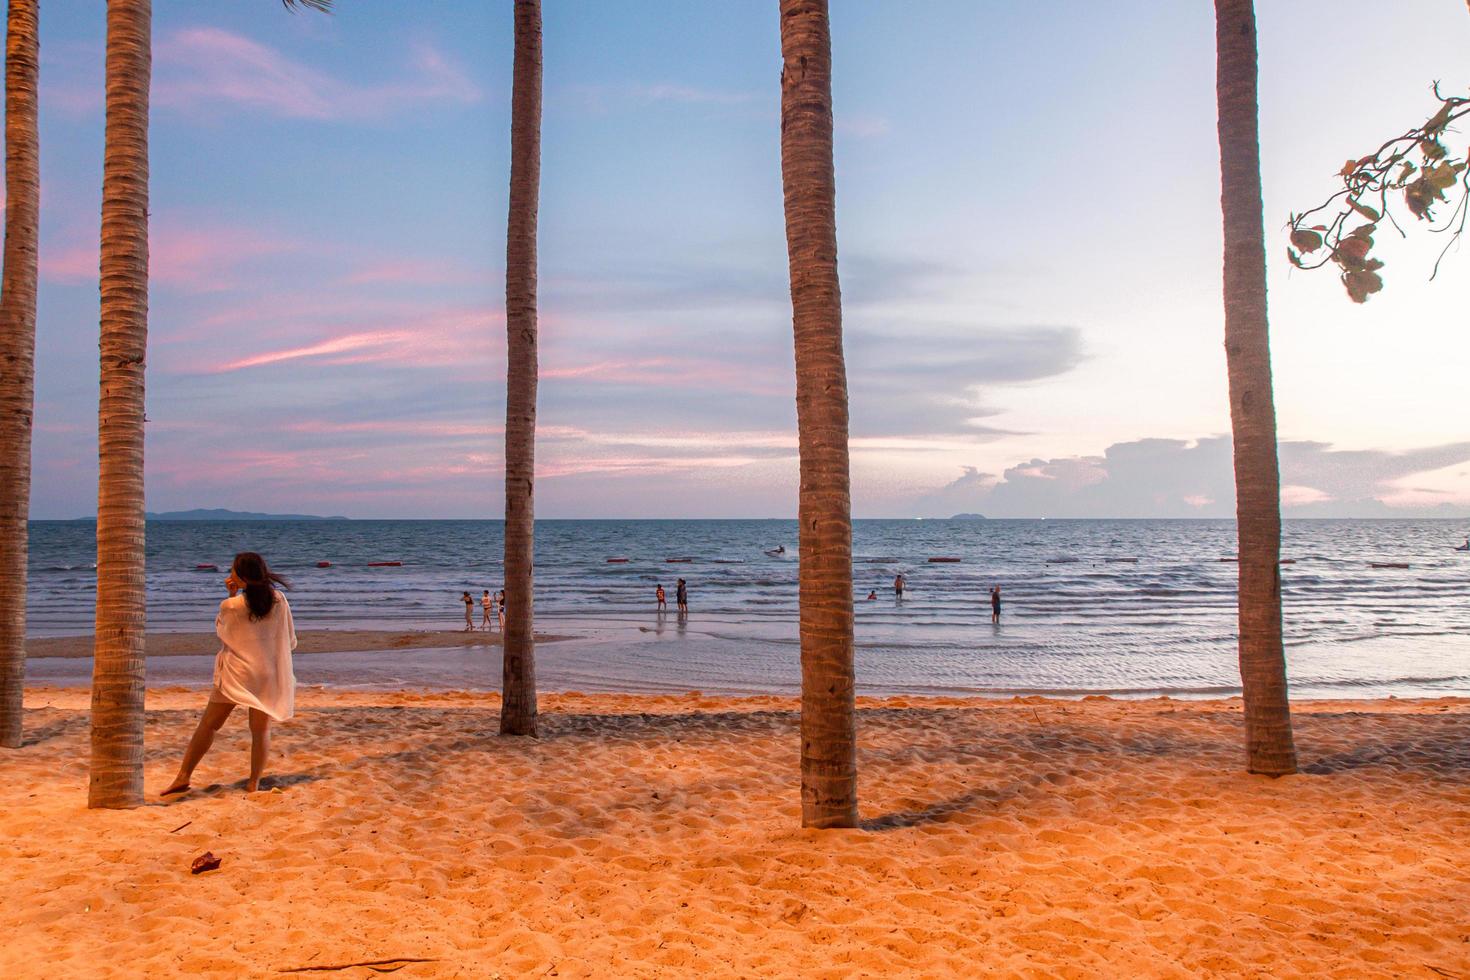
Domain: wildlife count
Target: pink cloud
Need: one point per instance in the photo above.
(1296, 496)
(207, 66)
(436, 339)
(375, 344)
(414, 427)
(193, 258)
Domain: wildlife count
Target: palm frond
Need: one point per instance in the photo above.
(325, 6)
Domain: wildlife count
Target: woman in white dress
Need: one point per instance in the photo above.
(253, 667)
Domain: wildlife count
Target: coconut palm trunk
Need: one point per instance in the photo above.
(828, 714)
(518, 684)
(17, 352)
(1269, 747)
(117, 679)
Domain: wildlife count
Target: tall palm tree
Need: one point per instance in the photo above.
(117, 673)
(828, 712)
(17, 351)
(118, 657)
(518, 685)
(1269, 746)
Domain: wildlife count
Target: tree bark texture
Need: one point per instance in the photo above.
(17, 352)
(117, 679)
(828, 713)
(518, 684)
(1269, 745)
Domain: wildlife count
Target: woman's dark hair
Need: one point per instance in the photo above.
(260, 582)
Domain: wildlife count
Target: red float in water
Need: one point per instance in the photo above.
(206, 568)
(384, 564)
(323, 564)
(944, 561)
(617, 561)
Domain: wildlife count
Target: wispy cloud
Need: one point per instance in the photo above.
(206, 66)
(428, 340)
(195, 258)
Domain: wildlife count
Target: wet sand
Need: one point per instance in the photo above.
(310, 641)
(658, 836)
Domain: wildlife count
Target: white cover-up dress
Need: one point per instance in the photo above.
(253, 666)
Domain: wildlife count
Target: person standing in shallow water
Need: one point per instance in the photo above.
(681, 596)
(995, 603)
(252, 668)
(487, 608)
(662, 597)
(469, 611)
(899, 584)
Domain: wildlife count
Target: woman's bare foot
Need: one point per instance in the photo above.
(176, 787)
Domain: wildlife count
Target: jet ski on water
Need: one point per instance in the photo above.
(777, 551)
(1463, 547)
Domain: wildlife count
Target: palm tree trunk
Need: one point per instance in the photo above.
(1269, 747)
(17, 352)
(117, 679)
(518, 686)
(828, 713)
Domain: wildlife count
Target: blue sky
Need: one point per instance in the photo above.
(1028, 225)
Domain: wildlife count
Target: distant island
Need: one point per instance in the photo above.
(220, 514)
(968, 517)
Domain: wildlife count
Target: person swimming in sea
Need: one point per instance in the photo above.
(873, 596)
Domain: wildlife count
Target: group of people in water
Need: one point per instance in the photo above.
(900, 584)
(253, 668)
(681, 597)
(492, 610)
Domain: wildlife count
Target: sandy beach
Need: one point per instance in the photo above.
(658, 836)
(310, 641)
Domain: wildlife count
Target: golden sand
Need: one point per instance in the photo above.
(657, 836)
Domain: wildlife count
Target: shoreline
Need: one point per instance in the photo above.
(630, 659)
(185, 644)
(659, 835)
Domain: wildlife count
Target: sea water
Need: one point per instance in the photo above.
(1107, 606)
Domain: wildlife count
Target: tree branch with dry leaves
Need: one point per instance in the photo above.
(1415, 167)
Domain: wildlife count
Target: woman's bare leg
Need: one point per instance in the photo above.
(215, 713)
(260, 747)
